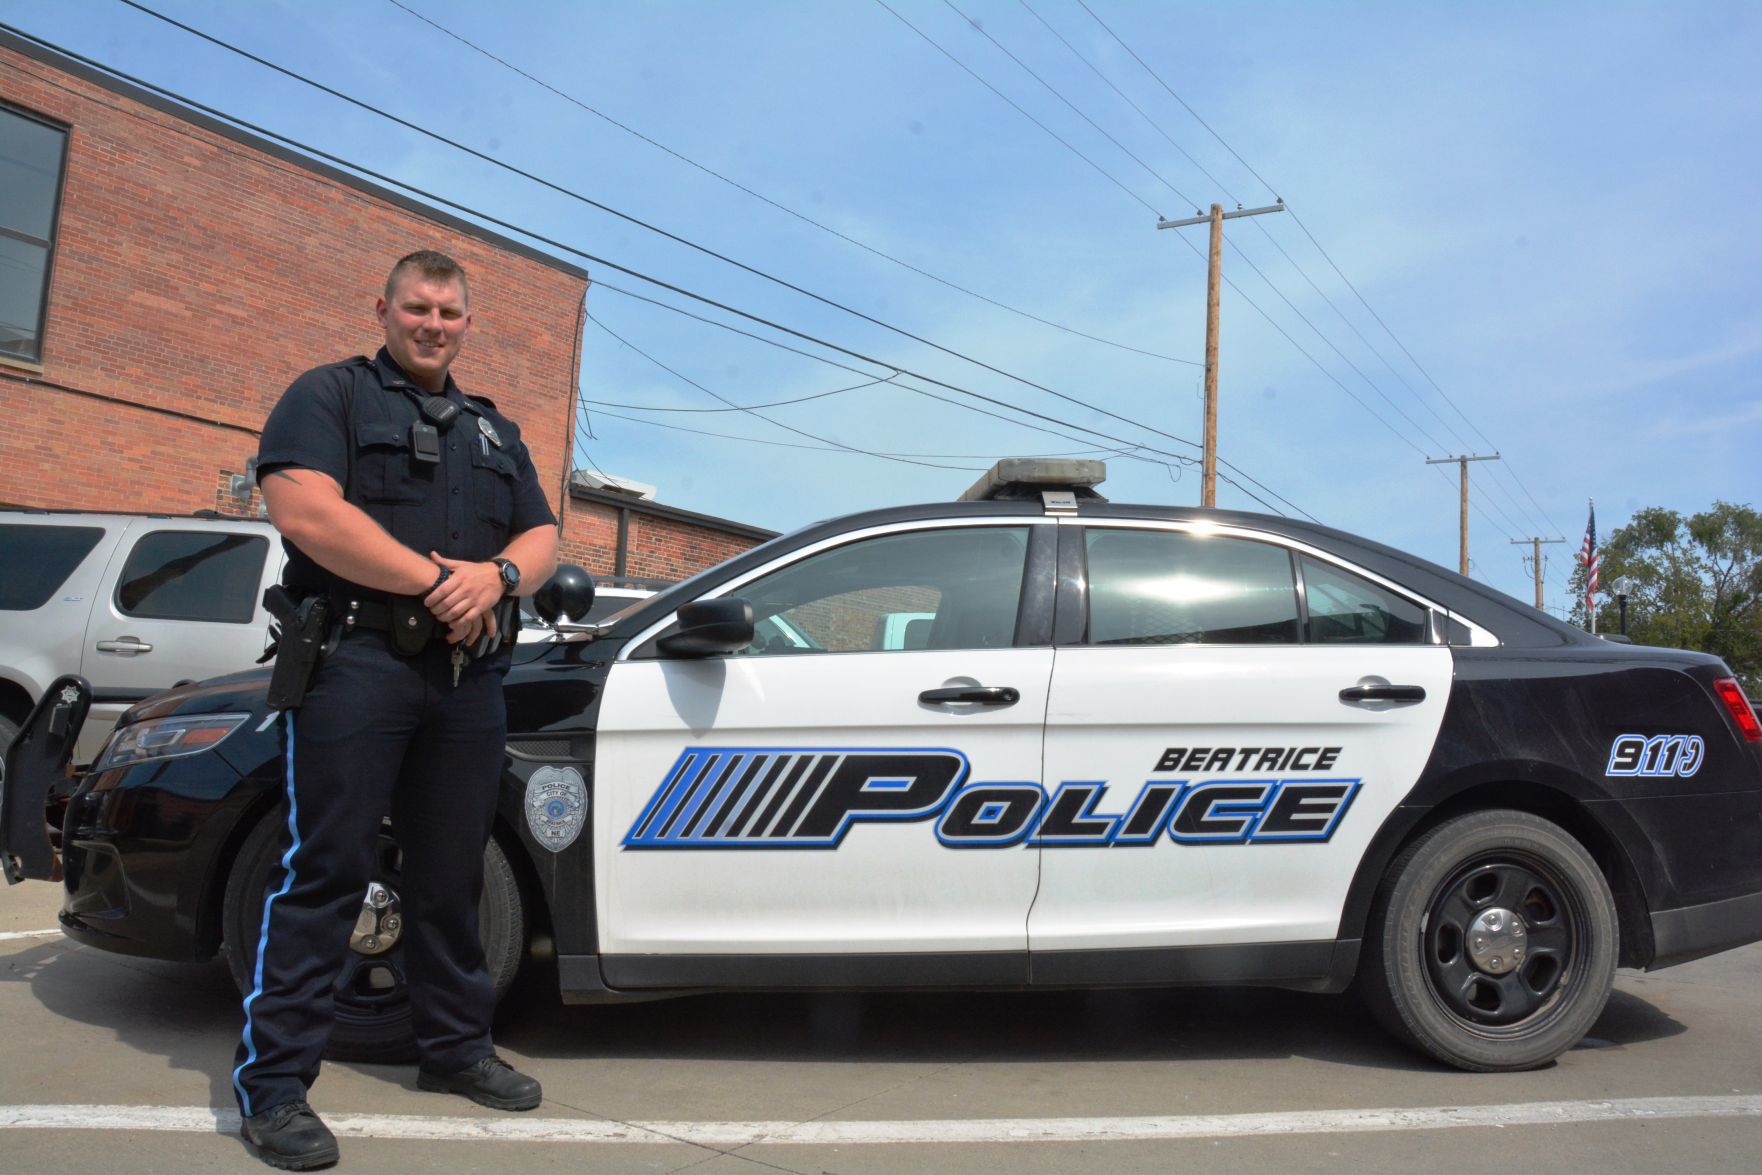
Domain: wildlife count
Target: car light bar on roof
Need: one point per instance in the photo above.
(1027, 478)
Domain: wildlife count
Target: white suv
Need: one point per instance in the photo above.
(134, 603)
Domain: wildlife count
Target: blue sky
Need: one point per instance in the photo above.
(1551, 206)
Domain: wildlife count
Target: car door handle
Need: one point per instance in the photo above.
(982, 695)
(127, 645)
(1400, 694)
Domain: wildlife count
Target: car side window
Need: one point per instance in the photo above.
(958, 588)
(1347, 609)
(193, 575)
(38, 560)
(1160, 587)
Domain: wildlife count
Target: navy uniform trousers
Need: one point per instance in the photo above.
(378, 734)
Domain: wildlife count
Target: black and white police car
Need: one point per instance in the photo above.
(1029, 739)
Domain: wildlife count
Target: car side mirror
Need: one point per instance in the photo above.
(710, 627)
(568, 592)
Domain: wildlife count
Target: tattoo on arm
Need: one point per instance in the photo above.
(286, 474)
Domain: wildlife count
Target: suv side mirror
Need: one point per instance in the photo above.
(709, 627)
(568, 592)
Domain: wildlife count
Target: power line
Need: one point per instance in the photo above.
(1126, 449)
(1019, 109)
(780, 206)
(1416, 448)
(560, 189)
(1129, 449)
(831, 449)
(1324, 338)
(1274, 241)
(681, 376)
(983, 32)
(1177, 98)
(1135, 449)
(1153, 125)
(1298, 220)
(1240, 252)
(743, 407)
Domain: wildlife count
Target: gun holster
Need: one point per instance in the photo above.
(304, 625)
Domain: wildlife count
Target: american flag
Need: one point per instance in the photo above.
(1587, 555)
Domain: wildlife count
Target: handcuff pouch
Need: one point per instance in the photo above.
(412, 625)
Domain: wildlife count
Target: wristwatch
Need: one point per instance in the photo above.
(510, 575)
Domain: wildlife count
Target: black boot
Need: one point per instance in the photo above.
(490, 1082)
(291, 1137)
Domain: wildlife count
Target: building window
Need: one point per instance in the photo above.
(33, 157)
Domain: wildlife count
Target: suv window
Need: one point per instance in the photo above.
(193, 575)
(934, 589)
(1349, 609)
(38, 559)
(1160, 587)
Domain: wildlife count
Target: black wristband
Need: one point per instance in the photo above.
(446, 573)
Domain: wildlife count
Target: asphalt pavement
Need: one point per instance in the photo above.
(121, 1064)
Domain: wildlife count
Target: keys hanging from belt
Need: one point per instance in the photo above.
(458, 663)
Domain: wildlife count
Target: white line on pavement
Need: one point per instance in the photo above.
(6, 934)
(730, 1135)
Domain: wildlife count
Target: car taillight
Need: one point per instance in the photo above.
(1732, 695)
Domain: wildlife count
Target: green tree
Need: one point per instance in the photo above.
(1697, 584)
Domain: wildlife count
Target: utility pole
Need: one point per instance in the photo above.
(1537, 561)
(1463, 462)
(1214, 275)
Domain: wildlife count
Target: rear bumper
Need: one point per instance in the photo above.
(1692, 932)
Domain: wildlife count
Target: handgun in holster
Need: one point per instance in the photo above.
(304, 625)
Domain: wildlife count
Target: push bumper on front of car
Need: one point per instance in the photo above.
(37, 769)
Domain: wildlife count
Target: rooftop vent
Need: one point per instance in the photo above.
(589, 479)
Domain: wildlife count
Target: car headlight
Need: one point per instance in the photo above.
(167, 738)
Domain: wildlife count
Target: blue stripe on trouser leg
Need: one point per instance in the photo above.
(287, 865)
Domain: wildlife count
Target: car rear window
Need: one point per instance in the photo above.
(38, 560)
(1345, 609)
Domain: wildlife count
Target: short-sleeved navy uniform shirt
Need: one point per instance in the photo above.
(352, 421)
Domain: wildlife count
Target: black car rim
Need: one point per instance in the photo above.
(1500, 941)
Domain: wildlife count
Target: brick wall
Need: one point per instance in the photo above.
(195, 276)
(659, 547)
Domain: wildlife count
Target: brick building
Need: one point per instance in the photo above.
(163, 276)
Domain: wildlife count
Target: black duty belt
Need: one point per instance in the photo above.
(409, 624)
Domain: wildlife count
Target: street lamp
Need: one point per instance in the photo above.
(1623, 588)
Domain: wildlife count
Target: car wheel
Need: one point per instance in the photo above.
(1493, 942)
(373, 1021)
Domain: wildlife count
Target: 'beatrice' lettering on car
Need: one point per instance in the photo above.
(810, 798)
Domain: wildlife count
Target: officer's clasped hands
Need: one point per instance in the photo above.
(466, 599)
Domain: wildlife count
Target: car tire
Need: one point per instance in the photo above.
(1492, 943)
(373, 1020)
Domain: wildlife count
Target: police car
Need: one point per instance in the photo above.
(1028, 739)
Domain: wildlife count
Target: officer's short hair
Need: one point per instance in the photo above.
(436, 267)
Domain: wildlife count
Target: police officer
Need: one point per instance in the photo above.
(415, 510)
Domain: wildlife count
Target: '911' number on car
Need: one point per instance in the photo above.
(1659, 754)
